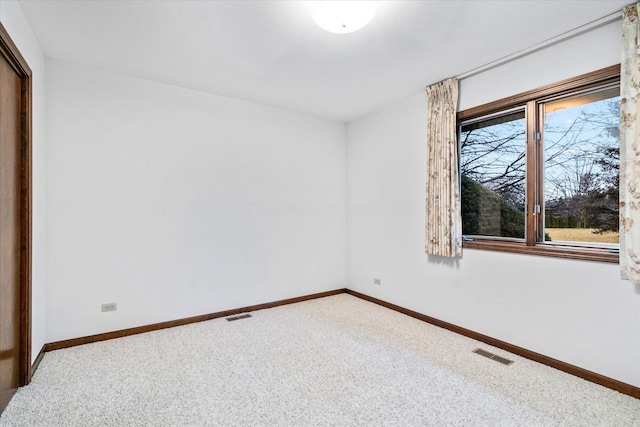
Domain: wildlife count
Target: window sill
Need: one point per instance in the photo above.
(569, 252)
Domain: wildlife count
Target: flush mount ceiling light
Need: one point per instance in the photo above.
(343, 16)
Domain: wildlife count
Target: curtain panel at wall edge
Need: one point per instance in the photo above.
(443, 228)
(630, 147)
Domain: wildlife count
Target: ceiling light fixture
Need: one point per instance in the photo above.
(343, 16)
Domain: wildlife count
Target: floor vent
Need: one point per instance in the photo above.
(238, 317)
(493, 356)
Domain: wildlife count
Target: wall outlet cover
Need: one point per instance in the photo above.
(111, 306)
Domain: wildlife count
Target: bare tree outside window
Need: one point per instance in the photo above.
(581, 167)
(493, 179)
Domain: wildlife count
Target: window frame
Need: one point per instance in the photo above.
(533, 102)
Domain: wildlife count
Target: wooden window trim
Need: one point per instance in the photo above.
(597, 78)
(531, 101)
(569, 252)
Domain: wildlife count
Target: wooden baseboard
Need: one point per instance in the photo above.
(537, 357)
(36, 363)
(179, 322)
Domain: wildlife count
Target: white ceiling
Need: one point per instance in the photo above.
(271, 52)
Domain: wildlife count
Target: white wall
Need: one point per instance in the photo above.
(16, 25)
(576, 311)
(590, 51)
(175, 203)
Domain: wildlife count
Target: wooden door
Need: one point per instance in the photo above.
(10, 124)
(15, 219)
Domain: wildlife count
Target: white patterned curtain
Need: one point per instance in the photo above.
(630, 147)
(443, 216)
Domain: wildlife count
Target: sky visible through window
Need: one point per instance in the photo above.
(581, 166)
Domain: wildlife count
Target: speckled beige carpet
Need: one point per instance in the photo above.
(332, 361)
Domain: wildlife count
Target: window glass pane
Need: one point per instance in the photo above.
(581, 168)
(492, 171)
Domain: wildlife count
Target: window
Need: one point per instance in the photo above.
(539, 171)
(493, 175)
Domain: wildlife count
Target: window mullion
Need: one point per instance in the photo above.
(539, 108)
(531, 174)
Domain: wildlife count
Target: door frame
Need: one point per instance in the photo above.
(10, 52)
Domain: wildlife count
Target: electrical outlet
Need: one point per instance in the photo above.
(111, 306)
(377, 282)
